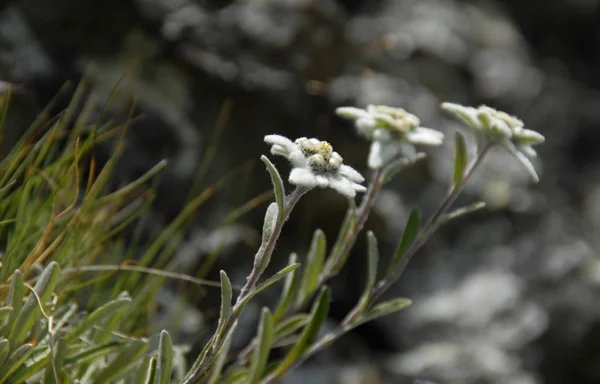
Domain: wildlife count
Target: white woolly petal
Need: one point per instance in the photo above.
(500, 128)
(523, 159)
(425, 136)
(382, 152)
(303, 177)
(359, 188)
(408, 150)
(351, 113)
(382, 134)
(322, 181)
(531, 136)
(277, 149)
(342, 185)
(385, 118)
(351, 173)
(298, 159)
(280, 140)
(527, 150)
(468, 115)
(365, 126)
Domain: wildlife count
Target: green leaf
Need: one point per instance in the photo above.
(461, 212)
(461, 158)
(373, 259)
(38, 358)
(384, 309)
(165, 359)
(291, 325)
(226, 296)
(127, 357)
(15, 299)
(96, 317)
(318, 315)
(348, 226)
(113, 322)
(411, 231)
(55, 364)
(4, 351)
(314, 266)
(272, 280)
(31, 309)
(214, 375)
(271, 218)
(260, 355)
(15, 360)
(5, 312)
(150, 370)
(290, 286)
(94, 352)
(278, 187)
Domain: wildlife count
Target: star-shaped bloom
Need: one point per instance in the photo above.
(392, 131)
(493, 127)
(316, 164)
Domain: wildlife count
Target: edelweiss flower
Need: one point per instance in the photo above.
(316, 164)
(495, 127)
(391, 130)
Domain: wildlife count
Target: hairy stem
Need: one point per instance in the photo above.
(432, 224)
(362, 215)
(251, 281)
(429, 228)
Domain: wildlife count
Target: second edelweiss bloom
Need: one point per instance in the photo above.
(392, 131)
(495, 127)
(316, 164)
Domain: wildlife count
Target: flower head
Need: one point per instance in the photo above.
(493, 127)
(392, 131)
(316, 164)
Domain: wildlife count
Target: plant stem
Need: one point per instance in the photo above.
(362, 215)
(428, 229)
(251, 281)
(432, 224)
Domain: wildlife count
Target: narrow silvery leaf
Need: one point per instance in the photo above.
(96, 318)
(272, 280)
(462, 211)
(31, 309)
(55, 364)
(94, 352)
(4, 351)
(290, 287)
(214, 376)
(15, 360)
(113, 322)
(318, 315)
(260, 355)
(278, 187)
(460, 159)
(15, 298)
(164, 359)
(226, 296)
(411, 231)
(127, 357)
(345, 230)
(466, 114)
(384, 309)
(262, 259)
(313, 266)
(290, 325)
(373, 257)
(5, 312)
(150, 367)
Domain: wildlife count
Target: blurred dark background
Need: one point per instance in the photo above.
(507, 295)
